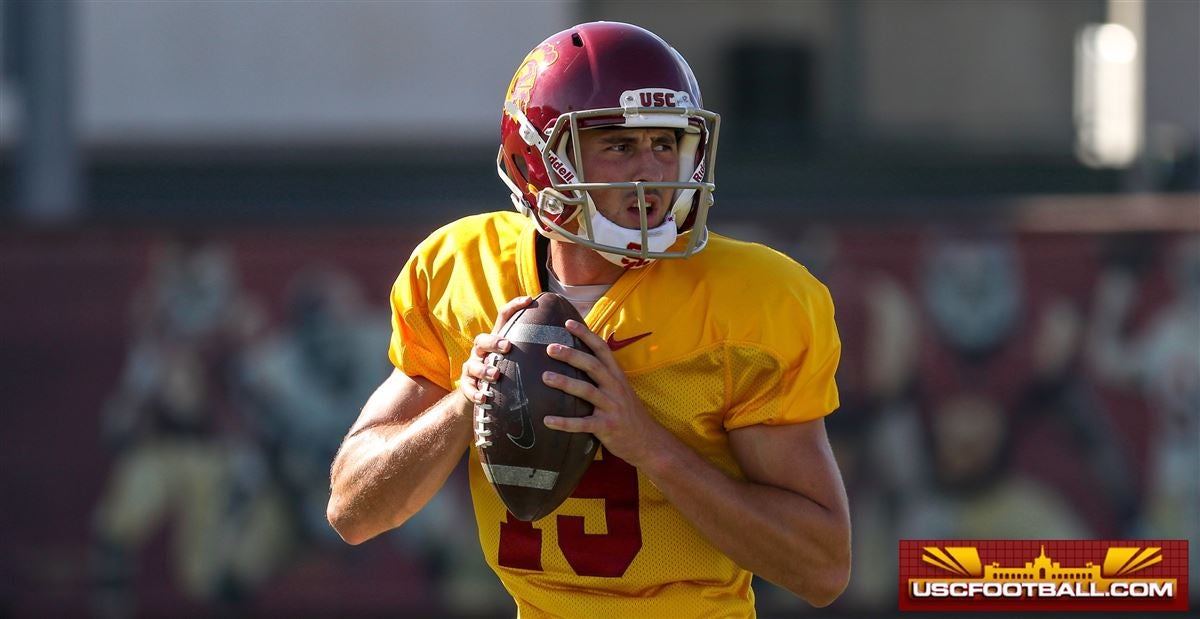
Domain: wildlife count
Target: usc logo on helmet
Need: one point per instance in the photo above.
(523, 80)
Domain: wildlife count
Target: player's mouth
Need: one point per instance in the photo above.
(632, 211)
(651, 211)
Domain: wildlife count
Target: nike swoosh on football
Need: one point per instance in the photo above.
(526, 438)
(615, 344)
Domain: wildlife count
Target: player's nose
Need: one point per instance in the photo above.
(649, 166)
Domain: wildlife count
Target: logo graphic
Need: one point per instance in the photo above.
(634, 263)
(526, 438)
(614, 344)
(655, 97)
(562, 168)
(523, 80)
(1047, 575)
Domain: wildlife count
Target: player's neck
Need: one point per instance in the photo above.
(576, 265)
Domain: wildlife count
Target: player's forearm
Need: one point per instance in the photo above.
(778, 534)
(384, 474)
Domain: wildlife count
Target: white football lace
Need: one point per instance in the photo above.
(482, 419)
(481, 431)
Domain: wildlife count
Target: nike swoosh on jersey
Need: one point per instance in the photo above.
(615, 344)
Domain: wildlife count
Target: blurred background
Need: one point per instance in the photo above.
(203, 206)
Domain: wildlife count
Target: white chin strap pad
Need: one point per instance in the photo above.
(606, 232)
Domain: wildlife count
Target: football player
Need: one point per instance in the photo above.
(714, 359)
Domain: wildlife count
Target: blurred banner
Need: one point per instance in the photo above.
(173, 399)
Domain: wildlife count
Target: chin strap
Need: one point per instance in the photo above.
(659, 238)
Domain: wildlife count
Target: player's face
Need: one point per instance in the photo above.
(623, 155)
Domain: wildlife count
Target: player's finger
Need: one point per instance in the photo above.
(580, 360)
(489, 343)
(481, 371)
(567, 424)
(477, 377)
(510, 308)
(578, 388)
(593, 341)
(469, 387)
(475, 390)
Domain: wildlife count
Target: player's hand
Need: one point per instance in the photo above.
(476, 373)
(619, 419)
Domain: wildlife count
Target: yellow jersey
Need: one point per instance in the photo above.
(736, 335)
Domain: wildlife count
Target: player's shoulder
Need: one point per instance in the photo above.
(503, 227)
(756, 268)
(486, 237)
(749, 297)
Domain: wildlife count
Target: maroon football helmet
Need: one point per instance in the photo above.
(605, 74)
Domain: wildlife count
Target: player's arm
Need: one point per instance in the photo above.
(788, 522)
(793, 503)
(407, 440)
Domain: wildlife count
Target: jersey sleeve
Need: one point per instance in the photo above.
(789, 378)
(417, 347)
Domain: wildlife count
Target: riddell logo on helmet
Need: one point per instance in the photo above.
(561, 168)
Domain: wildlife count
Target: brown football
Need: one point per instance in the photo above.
(533, 468)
